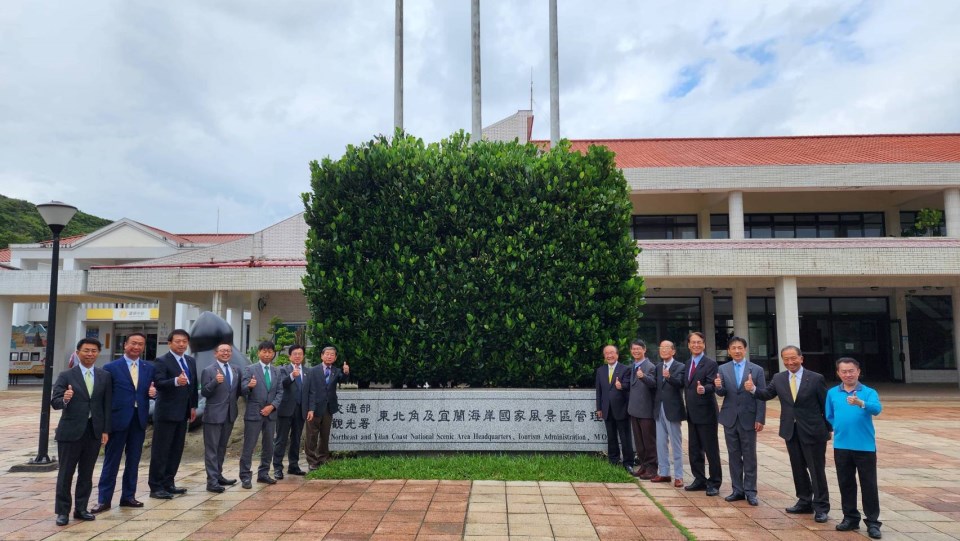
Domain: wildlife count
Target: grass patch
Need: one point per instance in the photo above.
(496, 467)
(676, 523)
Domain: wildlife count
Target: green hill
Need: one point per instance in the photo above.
(20, 223)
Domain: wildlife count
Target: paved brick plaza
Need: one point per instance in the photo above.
(919, 460)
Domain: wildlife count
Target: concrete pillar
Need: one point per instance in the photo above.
(166, 322)
(67, 334)
(891, 222)
(6, 334)
(254, 316)
(735, 213)
(218, 304)
(741, 322)
(235, 319)
(554, 76)
(703, 224)
(956, 326)
(708, 325)
(951, 211)
(788, 314)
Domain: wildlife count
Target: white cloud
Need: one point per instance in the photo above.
(164, 112)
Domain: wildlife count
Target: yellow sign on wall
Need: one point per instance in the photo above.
(122, 314)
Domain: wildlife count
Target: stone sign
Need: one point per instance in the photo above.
(468, 420)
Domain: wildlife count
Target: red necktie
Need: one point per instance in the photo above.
(693, 368)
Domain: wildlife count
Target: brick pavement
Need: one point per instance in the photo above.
(919, 460)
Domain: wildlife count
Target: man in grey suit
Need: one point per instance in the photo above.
(85, 395)
(643, 383)
(220, 385)
(292, 413)
(262, 388)
(322, 404)
(742, 416)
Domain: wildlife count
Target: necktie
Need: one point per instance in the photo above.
(266, 377)
(299, 386)
(739, 368)
(183, 366)
(793, 385)
(693, 368)
(226, 372)
(134, 374)
(88, 377)
(326, 373)
(610, 374)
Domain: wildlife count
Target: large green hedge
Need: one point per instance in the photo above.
(491, 264)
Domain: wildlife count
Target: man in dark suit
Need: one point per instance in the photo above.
(322, 405)
(804, 428)
(613, 393)
(176, 406)
(643, 383)
(668, 407)
(132, 390)
(83, 393)
(220, 385)
(262, 388)
(703, 442)
(742, 416)
(292, 413)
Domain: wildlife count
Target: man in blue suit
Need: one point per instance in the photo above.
(132, 389)
(613, 394)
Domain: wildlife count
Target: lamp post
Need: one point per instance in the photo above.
(56, 215)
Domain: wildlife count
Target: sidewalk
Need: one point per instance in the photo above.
(919, 460)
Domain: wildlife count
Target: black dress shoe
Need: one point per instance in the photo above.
(696, 485)
(874, 532)
(799, 509)
(713, 491)
(62, 520)
(752, 500)
(227, 482)
(161, 495)
(266, 479)
(216, 489)
(177, 491)
(83, 515)
(133, 502)
(846, 525)
(297, 471)
(246, 484)
(820, 517)
(278, 474)
(735, 497)
(100, 508)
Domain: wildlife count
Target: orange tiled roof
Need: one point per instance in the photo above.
(213, 238)
(800, 150)
(4, 255)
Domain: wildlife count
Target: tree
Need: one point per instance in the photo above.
(491, 264)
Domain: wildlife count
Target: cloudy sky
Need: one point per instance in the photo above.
(165, 112)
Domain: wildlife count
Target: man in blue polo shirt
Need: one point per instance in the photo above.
(850, 409)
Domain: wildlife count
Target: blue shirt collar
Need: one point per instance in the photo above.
(130, 361)
(696, 359)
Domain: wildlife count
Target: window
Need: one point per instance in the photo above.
(908, 219)
(811, 225)
(665, 227)
(719, 226)
(930, 323)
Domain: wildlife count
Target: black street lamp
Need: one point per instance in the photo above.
(56, 215)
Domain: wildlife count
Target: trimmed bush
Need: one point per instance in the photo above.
(491, 264)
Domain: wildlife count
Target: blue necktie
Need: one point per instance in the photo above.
(226, 372)
(183, 366)
(739, 369)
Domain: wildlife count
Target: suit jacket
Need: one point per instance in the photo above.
(739, 405)
(174, 403)
(805, 415)
(260, 396)
(669, 393)
(288, 404)
(83, 406)
(125, 396)
(642, 390)
(701, 409)
(610, 400)
(323, 395)
(221, 398)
